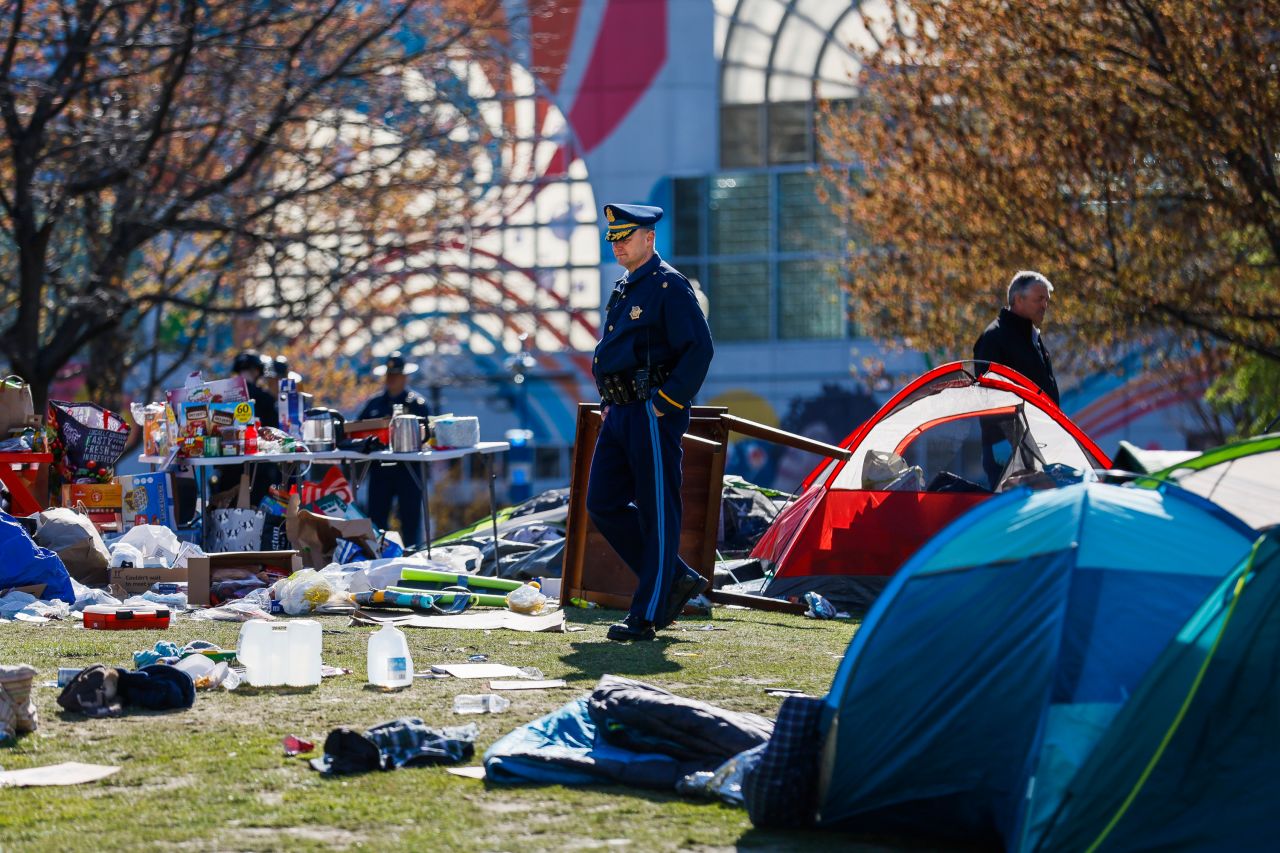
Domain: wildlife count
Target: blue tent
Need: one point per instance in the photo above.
(24, 563)
(1001, 652)
(1193, 760)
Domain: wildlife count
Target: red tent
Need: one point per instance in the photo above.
(972, 428)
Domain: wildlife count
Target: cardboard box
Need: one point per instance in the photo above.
(126, 581)
(94, 496)
(381, 427)
(200, 570)
(148, 499)
(230, 390)
(102, 502)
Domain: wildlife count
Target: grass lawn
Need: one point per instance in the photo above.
(216, 778)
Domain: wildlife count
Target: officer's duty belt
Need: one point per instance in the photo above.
(631, 386)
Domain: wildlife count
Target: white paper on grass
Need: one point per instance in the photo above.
(67, 773)
(478, 670)
(474, 621)
(467, 772)
(530, 684)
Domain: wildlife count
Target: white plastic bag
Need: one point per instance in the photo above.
(124, 554)
(527, 598)
(153, 541)
(87, 596)
(457, 558)
(302, 592)
(889, 472)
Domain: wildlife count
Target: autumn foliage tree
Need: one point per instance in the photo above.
(1129, 149)
(213, 158)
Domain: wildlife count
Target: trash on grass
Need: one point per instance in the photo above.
(819, 607)
(294, 745)
(478, 670)
(480, 703)
(527, 598)
(545, 684)
(66, 773)
(483, 621)
(403, 742)
(476, 772)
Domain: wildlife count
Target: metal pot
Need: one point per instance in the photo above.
(322, 429)
(406, 434)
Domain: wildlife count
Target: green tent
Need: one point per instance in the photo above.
(1243, 478)
(1192, 761)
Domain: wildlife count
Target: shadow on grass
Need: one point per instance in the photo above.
(604, 656)
(127, 711)
(248, 690)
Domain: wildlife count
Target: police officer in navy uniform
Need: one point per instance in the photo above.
(651, 361)
(393, 482)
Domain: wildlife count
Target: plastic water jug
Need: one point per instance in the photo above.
(390, 664)
(276, 653)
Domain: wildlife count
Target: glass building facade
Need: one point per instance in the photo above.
(766, 249)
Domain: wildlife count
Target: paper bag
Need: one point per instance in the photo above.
(16, 409)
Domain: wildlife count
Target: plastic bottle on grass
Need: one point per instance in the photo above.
(480, 703)
(390, 665)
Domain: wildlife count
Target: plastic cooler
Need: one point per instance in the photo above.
(280, 653)
(103, 617)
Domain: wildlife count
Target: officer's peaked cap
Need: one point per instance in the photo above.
(249, 360)
(395, 363)
(623, 219)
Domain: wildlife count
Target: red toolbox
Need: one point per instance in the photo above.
(104, 617)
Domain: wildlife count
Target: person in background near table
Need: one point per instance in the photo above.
(392, 481)
(651, 361)
(278, 370)
(251, 367)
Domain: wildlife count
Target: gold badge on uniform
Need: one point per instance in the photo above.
(635, 312)
(608, 213)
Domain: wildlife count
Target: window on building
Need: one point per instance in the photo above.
(690, 208)
(806, 222)
(740, 214)
(741, 136)
(740, 297)
(811, 302)
(790, 133)
(765, 249)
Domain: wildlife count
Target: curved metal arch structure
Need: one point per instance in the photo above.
(808, 54)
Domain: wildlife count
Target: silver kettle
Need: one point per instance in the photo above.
(406, 433)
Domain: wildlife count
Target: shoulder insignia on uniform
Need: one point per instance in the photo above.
(635, 312)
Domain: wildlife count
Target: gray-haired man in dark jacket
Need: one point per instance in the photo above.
(1013, 339)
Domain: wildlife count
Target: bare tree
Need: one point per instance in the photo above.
(213, 157)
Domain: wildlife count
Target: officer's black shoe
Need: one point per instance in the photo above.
(631, 628)
(683, 588)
